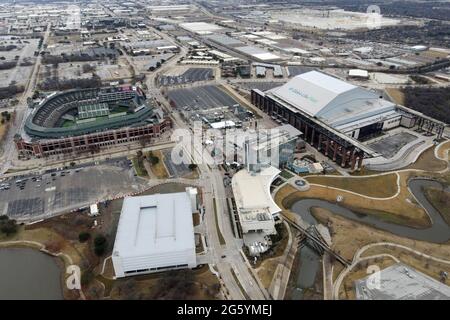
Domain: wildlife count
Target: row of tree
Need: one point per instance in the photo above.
(8, 226)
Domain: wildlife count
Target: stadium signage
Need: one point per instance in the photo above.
(304, 95)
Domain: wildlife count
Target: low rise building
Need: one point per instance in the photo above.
(155, 233)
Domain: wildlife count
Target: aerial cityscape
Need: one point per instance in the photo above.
(224, 150)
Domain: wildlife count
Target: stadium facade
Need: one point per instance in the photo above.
(336, 117)
(77, 121)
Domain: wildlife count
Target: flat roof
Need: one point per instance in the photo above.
(200, 27)
(154, 224)
(401, 282)
(252, 192)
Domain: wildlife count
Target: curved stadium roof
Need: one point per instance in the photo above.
(329, 99)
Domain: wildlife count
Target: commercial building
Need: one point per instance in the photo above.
(155, 233)
(77, 121)
(254, 202)
(336, 117)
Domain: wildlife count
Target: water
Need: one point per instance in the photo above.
(438, 232)
(28, 274)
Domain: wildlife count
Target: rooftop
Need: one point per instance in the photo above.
(330, 99)
(155, 224)
(252, 193)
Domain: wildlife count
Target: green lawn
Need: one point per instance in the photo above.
(139, 167)
(286, 174)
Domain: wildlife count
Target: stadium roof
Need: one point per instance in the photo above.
(329, 99)
(155, 224)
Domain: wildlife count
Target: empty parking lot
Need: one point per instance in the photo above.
(189, 76)
(205, 97)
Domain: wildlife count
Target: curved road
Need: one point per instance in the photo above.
(438, 232)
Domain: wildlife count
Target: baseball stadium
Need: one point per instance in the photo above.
(85, 120)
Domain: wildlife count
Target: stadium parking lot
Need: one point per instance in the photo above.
(189, 76)
(35, 197)
(205, 97)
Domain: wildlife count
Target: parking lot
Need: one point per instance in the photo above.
(189, 76)
(296, 70)
(36, 197)
(205, 97)
(388, 146)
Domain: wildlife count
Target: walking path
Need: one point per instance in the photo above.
(357, 259)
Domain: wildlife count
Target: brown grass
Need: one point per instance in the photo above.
(347, 289)
(159, 170)
(397, 95)
(443, 151)
(440, 199)
(427, 161)
(380, 186)
(400, 209)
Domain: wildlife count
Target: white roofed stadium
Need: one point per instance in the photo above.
(336, 117)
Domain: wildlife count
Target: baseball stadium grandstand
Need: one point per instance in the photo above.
(77, 121)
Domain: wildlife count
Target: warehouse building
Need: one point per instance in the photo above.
(155, 233)
(336, 117)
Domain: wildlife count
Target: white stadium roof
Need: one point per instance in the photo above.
(329, 99)
(155, 224)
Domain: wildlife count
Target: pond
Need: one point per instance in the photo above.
(28, 274)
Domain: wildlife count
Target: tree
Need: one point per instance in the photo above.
(84, 236)
(100, 244)
(192, 166)
(154, 160)
(7, 226)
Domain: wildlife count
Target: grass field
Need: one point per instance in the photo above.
(427, 161)
(159, 170)
(397, 95)
(380, 186)
(401, 209)
(3, 130)
(219, 233)
(440, 200)
(443, 151)
(139, 167)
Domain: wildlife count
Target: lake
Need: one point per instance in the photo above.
(29, 274)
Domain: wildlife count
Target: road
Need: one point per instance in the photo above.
(9, 154)
(224, 257)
